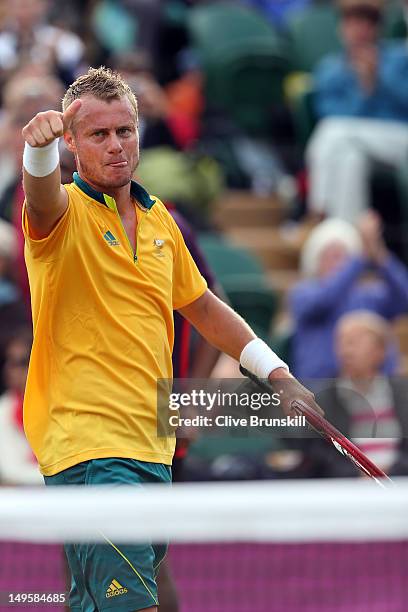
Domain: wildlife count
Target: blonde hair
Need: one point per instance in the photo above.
(369, 321)
(101, 83)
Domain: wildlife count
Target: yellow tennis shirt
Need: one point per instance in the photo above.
(103, 329)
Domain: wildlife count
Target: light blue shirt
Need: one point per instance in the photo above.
(339, 93)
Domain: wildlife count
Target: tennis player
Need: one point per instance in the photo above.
(107, 265)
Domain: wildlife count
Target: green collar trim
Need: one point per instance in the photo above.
(136, 191)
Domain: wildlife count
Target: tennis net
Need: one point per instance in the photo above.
(307, 546)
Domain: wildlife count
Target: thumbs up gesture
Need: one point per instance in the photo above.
(49, 125)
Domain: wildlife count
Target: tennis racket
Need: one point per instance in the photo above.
(332, 435)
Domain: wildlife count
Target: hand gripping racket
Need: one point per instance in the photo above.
(332, 435)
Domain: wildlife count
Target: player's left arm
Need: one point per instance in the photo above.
(225, 329)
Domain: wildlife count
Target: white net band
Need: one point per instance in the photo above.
(298, 511)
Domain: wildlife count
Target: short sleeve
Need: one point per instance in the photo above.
(47, 248)
(188, 282)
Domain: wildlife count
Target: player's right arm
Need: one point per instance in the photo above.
(46, 199)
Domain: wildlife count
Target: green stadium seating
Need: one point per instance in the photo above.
(242, 277)
(312, 35)
(254, 301)
(304, 119)
(219, 27)
(228, 260)
(244, 59)
(394, 23)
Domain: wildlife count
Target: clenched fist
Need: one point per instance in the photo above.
(49, 125)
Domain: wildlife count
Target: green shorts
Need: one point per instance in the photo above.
(107, 576)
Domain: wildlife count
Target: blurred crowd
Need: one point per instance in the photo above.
(305, 101)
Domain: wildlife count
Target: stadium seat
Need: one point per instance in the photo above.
(244, 59)
(227, 260)
(312, 35)
(395, 25)
(243, 279)
(223, 27)
(304, 119)
(254, 301)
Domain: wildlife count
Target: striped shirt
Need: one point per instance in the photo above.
(375, 428)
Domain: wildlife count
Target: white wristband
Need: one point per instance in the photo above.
(41, 161)
(259, 359)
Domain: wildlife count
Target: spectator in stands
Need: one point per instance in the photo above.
(17, 463)
(163, 121)
(12, 310)
(336, 259)
(366, 406)
(362, 102)
(24, 95)
(27, 38)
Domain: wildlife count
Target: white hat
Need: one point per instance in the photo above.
(327, 232)
(8, 239)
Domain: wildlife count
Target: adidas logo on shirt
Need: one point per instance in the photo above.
(110, 239)
(115, 589)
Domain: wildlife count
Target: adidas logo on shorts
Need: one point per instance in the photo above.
(115, 589)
